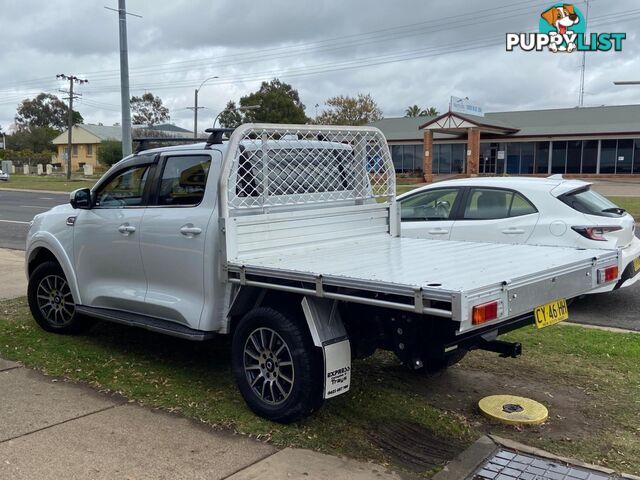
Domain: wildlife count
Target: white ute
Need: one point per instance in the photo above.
(287, 238)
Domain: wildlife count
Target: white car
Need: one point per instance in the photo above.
(536, 211)
(4, 176)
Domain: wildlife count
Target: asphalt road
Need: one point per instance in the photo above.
(16, 211)
(619, 309)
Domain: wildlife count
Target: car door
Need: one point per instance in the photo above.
(495, 215)
(429, 213)
(174, 235)
(106, 240)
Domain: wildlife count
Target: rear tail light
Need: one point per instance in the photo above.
(484, 313)
(597, 232)
(608, 274)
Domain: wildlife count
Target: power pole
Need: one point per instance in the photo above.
(125, 106)
(584, 63)
(195, 109)
(72, 79)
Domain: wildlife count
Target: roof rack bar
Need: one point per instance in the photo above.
(143, 142)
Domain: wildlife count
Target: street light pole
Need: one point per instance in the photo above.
(196, 107)
(238, 109)
(627, 82)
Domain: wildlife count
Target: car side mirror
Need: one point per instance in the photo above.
(81, 198)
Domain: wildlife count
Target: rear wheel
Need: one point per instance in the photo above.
(276, 366)
(51, 301)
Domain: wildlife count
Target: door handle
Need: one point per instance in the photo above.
(189, 230)
(126, 229)
(438, 231)
(513, 231)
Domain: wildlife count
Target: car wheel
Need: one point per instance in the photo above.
(276, 366)
(51, 301)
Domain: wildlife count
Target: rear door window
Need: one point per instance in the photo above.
(184, 179)
(492, 203)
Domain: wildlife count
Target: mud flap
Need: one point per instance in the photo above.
(328, 333)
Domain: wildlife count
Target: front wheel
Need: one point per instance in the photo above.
(276, 366)
(51, 301)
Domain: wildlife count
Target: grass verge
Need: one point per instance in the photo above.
(599, 369)
(630, 204)
(56, 184)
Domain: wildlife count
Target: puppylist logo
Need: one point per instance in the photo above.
(563, 29)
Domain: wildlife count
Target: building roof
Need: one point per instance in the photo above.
(606, 120)
(90, 133)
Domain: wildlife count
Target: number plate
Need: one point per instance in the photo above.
(551, 313)
(636, 264)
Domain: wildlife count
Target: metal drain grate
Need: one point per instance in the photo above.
(507, 465)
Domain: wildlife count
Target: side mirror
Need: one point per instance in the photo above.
(81, 198)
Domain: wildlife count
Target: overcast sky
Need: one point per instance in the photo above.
(402, 53)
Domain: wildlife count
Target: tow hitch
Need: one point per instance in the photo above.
(505, 349)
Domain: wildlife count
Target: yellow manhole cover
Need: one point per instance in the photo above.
(513, 410)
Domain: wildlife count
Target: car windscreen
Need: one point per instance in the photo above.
(587, 201)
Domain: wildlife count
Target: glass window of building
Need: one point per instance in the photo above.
(574, 156)
(527, 155)
(636, 156)
(559, 157)
(444, 159)
(624, 156)
(457, 157)
(589, 156)
(608, 156)
(513, 157)
(396, 156)
(542, 157)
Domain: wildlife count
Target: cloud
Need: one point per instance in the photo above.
(413, 52)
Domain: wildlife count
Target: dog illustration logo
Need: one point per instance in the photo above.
(563, 18)
(563, 28)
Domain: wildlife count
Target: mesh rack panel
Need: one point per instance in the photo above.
(280, 165)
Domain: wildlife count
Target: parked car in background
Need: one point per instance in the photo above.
(4, 176)
(537, 211)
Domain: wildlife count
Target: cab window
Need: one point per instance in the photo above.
(431, 205)
(184, 180)
(126, 189)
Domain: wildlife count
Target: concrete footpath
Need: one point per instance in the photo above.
(53, 429)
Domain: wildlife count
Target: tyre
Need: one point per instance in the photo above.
(51, 302)
(277, 367)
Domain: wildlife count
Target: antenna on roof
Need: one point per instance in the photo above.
(217, 135)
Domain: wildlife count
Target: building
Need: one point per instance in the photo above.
(85, 142)
(87, 138)
(582, 141)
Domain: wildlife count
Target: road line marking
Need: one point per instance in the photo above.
(46, 198)
(36, 206)
(14, 221)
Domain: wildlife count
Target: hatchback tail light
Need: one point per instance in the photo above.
(484, 313)
(608, 274)
(596, 232)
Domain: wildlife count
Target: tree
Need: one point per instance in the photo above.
(230, 117)
(34, 139)
(148, 110)
(46, 111)
(416, 111)
(279, 103)
(345, 110)
(109, 152)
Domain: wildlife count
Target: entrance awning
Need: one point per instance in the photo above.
(453, 123)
